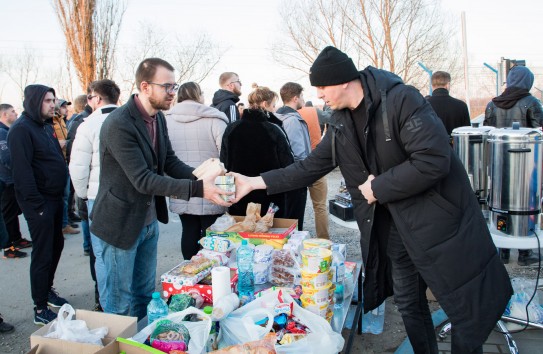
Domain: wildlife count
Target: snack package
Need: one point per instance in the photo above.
(216, 243)
(263, 346)
(179, 302)
(169, 336)
(212, 166)
(221, 258)
(223, 223)
(197, 264)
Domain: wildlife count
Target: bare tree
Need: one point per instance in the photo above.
(23, 69)
(91, 29)
(195, 58)
(388, 34)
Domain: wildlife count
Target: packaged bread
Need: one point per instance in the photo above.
(249, 223)
(212, 166)
(264, 224)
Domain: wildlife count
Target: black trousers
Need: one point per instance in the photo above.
(295, 204)
(410, 297)
(11, 212)
(47, 244)
(194, 227)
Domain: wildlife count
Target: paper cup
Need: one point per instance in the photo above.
(315, 280)
(316, 260)
(317, 243)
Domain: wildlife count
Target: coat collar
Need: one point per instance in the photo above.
(139, 122)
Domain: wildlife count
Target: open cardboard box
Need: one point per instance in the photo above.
(119, 326)
(129, 347)
(277, 235)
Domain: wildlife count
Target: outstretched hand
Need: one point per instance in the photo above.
(245, 185)
(366, 190)
(213, 193)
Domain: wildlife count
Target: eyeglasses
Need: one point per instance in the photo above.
(233, 82)
(90, 97)
(170, 88)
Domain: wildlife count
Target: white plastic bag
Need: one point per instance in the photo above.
(524, 289)
(199, 330)
(321, 340)
(66, 328)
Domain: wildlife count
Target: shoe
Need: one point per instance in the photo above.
(13, 252)
(22, 243)
(75, 226)
(54, 300)
(527, 257)
(74, 217)
(6, 328)
(98, 308)
(504, 255)
(44, 317)
(70, 230)
(86, 253)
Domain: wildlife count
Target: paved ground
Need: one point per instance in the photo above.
(73, 281)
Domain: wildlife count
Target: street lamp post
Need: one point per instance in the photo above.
(429, 73)
(495, 72)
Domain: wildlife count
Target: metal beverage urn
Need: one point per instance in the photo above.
(470, 144)
(515, 179)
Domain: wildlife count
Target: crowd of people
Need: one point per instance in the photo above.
(419, 219)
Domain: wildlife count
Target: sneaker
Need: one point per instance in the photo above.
(54, 300)
(70, 230)
(13, 252)
(527, 257)
(74, 225)
(504, 255)
(44, 317)
(98, 308)
(22, 243)
(6, 328)
(86, 253)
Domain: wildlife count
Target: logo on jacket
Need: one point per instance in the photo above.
(414, 125)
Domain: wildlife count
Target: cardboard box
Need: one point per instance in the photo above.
(170, 287)
(279, 232)
(119, 326)
(341, 211)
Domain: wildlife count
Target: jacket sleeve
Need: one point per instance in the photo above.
(19, 141)
(466, 121)
(232, 113)
(224, 157)
(284, 151)
(217, 130)
(535, 114)
(120, 141)
(490, 115)
(302, 173)
(72, 131)
(80, 162)
(5, 157)
(425, 142)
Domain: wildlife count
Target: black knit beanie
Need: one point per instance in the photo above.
(332, 67)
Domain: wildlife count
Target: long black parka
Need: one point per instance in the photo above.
(424, 186)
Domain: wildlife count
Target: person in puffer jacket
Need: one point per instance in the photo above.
(196, 132)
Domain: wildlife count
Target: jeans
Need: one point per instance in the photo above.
(66, 196)
(126, 278)
(86, 235)
(318, 192)
(4, 238)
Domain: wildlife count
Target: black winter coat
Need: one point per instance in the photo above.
(225, 101)
(453, 112)
(427, 192)
(251, 146)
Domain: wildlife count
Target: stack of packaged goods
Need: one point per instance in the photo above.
(317, 288)
(285, 269)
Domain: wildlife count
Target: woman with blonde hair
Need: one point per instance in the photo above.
(254, 144)
(195, 132)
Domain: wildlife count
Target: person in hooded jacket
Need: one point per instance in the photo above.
(40, 174)
(227, 96)
(196, 132)
(420, 222)
(516, 104)
(257, 143)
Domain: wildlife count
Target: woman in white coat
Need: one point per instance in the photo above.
(195, 132)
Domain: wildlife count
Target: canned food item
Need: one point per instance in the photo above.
(315, 280)
(319, 295)
(316, 260)
(317, 309)
(317, 243)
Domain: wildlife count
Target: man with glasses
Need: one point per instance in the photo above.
(227, 96)
(138, 168)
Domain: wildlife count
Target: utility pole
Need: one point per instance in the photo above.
(430, 74)
(465, 52)
(497, 79)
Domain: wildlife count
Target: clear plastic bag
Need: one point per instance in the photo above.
(524, 289)
(66, 328)
(223, 222)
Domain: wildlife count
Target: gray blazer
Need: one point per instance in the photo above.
(132, 173)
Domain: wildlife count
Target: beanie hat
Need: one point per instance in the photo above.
(332, 67)
(521, 77)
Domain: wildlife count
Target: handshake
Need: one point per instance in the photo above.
(224, 188)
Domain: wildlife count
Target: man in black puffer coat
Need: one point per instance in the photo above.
(421, 225)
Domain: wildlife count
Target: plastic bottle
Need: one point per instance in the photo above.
(212, 344)
(246, 281)
(157, 308)
(338, 276)
(373, 321)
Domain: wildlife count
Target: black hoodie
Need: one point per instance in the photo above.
(225, 101)
(37, 162)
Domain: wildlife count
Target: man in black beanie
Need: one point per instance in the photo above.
(420, 222)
